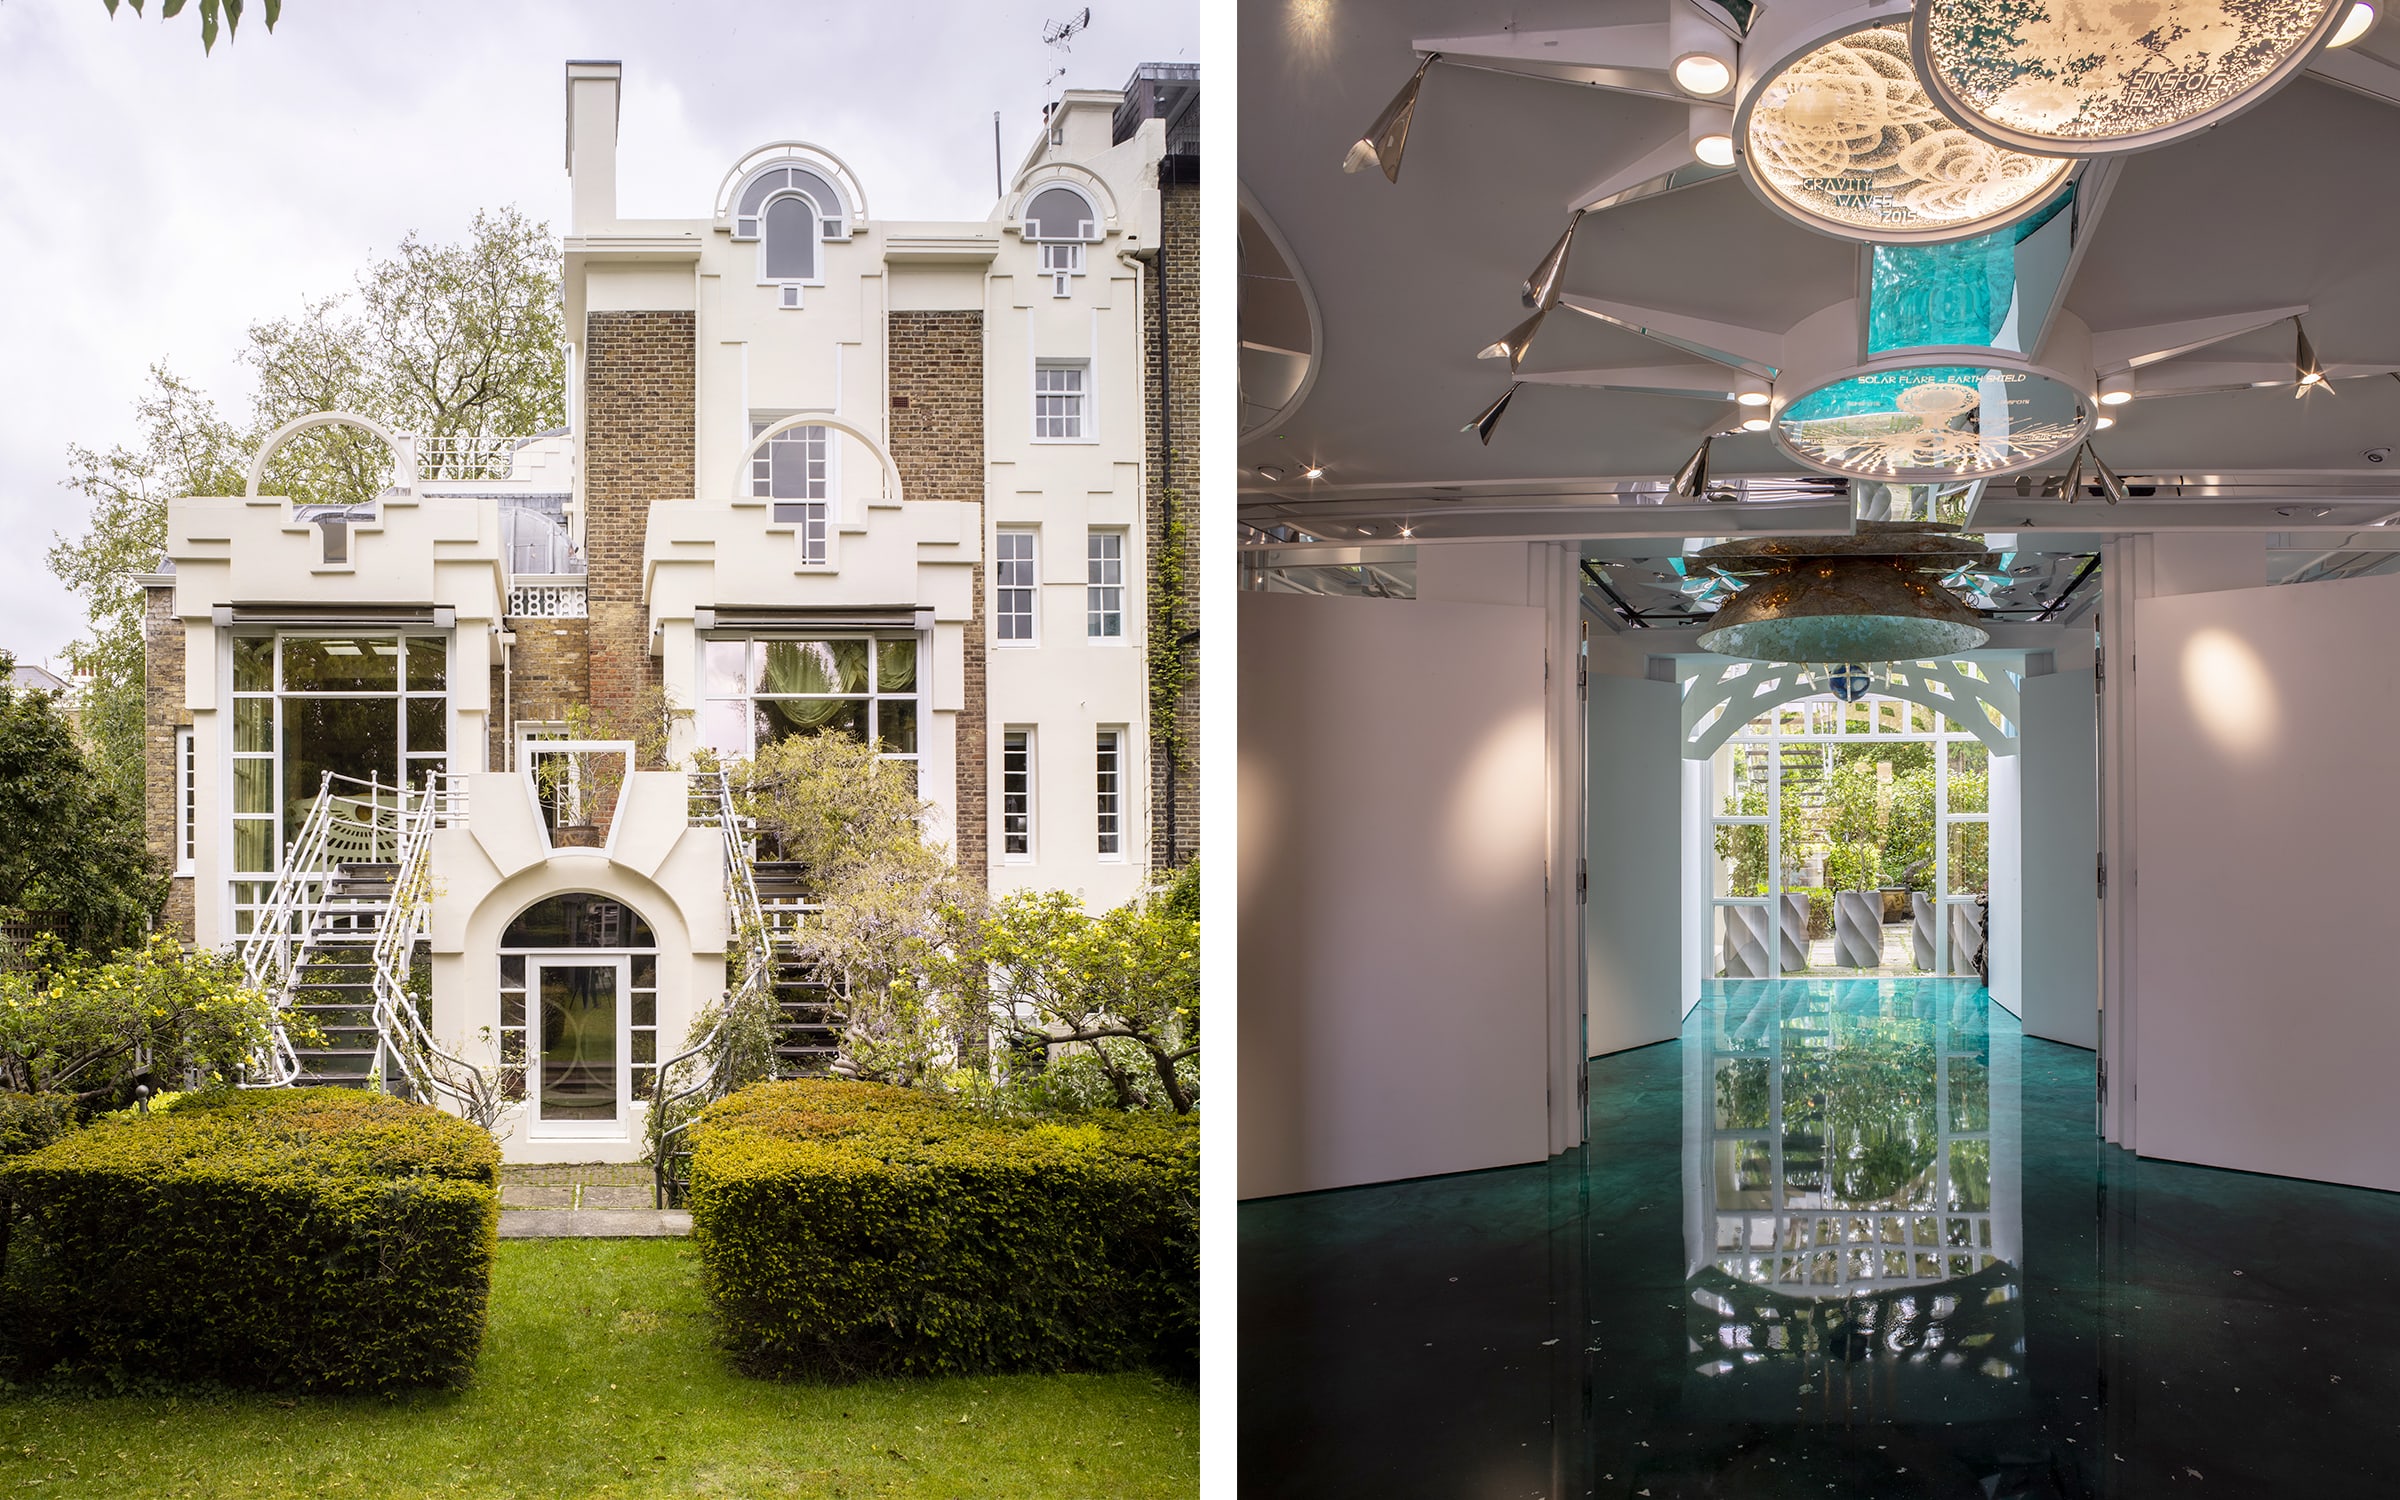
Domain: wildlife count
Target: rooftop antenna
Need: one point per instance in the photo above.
(1059, 35)
(999, 187)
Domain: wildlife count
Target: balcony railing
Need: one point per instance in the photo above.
(557, 597)
(456, 458)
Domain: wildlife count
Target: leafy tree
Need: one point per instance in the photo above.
(210, 10)
(69, 841)
(90, 1027)
(444, 341)
(185, 447)
(1121, 989)
(893, 904)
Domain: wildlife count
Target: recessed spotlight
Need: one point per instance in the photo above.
(2378, 455)
(1313, 471)
(1705, 77)
(1407, 531)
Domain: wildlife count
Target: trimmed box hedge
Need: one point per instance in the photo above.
(849, 1229)
(326, 1239)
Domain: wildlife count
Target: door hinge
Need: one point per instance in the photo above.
(2104, 1081)
(1583, 881)
(1583, 683)
(2099, 670)
(2104, 877)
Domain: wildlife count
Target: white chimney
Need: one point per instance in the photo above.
(592, 104)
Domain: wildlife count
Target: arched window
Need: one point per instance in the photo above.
(1062, 221)
(789, 209)
(583, 970)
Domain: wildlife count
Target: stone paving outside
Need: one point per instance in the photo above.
(590, 1185)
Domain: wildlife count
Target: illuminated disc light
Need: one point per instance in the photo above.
(1715, 150)
(2082, 79)
(1756, 424)
(1933, 423)
(1846, 140)
(2356, 22)
(1702, 76)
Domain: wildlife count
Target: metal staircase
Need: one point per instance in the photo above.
(779, 1019)
(335, 943)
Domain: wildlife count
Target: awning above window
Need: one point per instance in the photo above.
(791, 617)
(339, 616)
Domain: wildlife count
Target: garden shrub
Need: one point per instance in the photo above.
(328, 1239)
(849, 1229)
(28, 1122)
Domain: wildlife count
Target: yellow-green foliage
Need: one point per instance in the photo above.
(851, 1228)
(321, 1238)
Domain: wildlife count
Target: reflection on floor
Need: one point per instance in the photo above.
(1846, 1237)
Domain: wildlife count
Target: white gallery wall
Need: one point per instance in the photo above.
(2059, 992)
(2262, 900)
(2004, 931)
(1394, 818)
(1633, 919)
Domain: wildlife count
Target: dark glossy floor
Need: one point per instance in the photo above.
(1847, 1238)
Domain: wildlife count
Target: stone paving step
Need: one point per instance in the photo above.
(592, 1223)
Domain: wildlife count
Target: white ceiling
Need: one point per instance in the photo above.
(2293, 202)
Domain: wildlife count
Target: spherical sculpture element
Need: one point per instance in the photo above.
(2080, 78)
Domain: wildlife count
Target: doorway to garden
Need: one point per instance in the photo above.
(1850, 816)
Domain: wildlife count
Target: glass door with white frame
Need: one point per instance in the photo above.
(579, 1079)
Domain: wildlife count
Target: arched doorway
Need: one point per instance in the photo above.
(578, 1013)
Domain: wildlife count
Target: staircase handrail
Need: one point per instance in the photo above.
(405, 1039)
(272, 951)
(712, 804)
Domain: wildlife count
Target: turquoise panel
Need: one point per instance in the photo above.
(1978, 292)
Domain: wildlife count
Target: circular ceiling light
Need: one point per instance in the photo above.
(2356, 22)
(2116, 389)
(1756, 424)
(1876, 596)
(1932, 423)
(2082, 79)
(1702, 76)
(1843, 138)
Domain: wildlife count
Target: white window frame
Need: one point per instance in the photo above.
(1063, 260)
(1017, 794)
(1110, 776)
(876, 697)
(413, 763)
(1097, 608)
(830, 227)
(187, 796)
(811, 515)
(1086, 417)
(1030, 586)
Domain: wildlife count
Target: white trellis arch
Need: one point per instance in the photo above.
(741, 467)
(404, 447)
(1722, 697)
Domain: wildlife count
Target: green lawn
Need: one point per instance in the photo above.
(600, 1376)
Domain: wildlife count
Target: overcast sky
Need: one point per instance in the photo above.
(155, 201)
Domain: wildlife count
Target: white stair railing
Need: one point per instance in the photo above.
(351, 819)
(405, 1042)
(749, 1005)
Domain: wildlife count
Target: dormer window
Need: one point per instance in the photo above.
(1062, 221)
(790, 210)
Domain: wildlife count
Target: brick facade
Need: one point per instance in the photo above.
(1175, 480)
(549, 668)
(936, 365)
(639, 420)
(164, 711)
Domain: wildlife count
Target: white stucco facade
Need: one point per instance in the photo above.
(462, 612)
